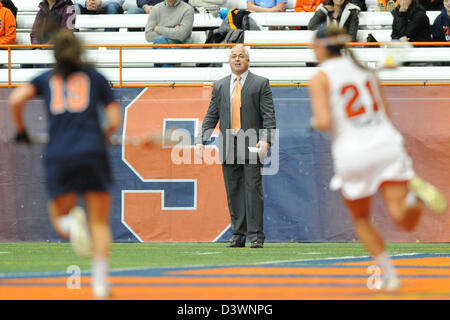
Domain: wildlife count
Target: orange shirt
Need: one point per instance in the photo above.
(7, 26)
(307, 5)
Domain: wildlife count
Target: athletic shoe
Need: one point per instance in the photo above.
(390, 284)
(79, 233)
(101, 290)
(430, 195)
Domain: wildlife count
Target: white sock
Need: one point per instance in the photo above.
(411, 199)
(385, 263)
(64, 223)
(100, 271)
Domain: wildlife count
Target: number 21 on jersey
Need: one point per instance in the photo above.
(69, 95)
(352, 92)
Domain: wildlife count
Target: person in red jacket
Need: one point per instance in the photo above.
(7, 26)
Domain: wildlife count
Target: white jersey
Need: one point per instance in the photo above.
(367, 149)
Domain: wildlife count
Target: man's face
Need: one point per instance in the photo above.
(171, 2)
(447, 5)
(239, 61)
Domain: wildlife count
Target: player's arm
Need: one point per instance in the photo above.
(319, 91)
(17, 101)
(114, 118)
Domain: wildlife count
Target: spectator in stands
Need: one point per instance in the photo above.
(311, 5)
(441, 25)
(7, 26)
(99, 7)
(143, 6)
(266, 5)
(170, 22)
(410, 22)
(52, 15)
(205, 6)
(306, 5)
(10, 5)
(431, 5)
(341, 12)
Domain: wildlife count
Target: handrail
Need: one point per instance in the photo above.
(197, 45)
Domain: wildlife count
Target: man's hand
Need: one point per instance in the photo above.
(404, 38)
(155, 29)
(263, 149)
(93, 5)
(147, 8)
(199, 149)
(404, 5)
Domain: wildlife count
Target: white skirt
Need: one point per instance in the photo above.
(363, 161)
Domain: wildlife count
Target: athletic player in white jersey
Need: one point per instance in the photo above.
(367, 150)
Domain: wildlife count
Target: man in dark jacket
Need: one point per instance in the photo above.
(52, 15)
(410, 22)
(441, 25)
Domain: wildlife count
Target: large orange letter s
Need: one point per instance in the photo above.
(179, 202)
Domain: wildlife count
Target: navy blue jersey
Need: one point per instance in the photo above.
(74, 118)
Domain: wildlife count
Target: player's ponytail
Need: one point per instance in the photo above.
(350, 53)
(68, 52)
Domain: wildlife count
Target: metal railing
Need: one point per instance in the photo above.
(122, 83)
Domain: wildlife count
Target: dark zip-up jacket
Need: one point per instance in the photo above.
(413, 23)
(62, 15)
(441, 27)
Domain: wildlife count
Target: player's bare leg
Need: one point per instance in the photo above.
(372, 240)
(98, 206)
(406, 213)
(69, 221)
(58, 209)
(366, 231)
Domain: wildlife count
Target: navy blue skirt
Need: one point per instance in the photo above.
(77, 175)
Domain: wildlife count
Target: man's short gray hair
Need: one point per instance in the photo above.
(243, 48)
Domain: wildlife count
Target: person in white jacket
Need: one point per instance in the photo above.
(343, 13)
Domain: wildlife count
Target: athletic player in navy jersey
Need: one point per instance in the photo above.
(76, 160)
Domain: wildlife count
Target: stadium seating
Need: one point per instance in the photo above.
(207, 75)
(285, 64)
(259, 57)
(367, 20)
(32, 5)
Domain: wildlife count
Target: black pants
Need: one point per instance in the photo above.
(243, 184)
